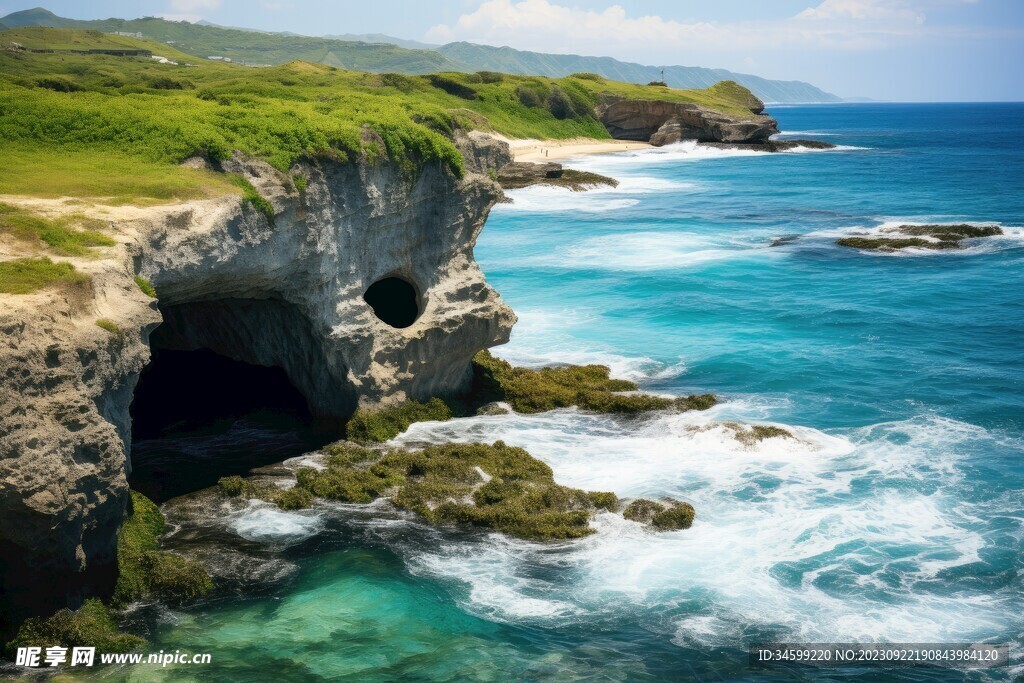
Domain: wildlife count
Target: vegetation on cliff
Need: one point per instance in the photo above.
(27, 275)
(65, 111)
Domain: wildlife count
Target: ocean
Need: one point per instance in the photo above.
(895, 514)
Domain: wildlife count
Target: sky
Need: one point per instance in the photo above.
(902, 50)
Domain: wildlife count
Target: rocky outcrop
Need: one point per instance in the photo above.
(286, 292)
(661, 123)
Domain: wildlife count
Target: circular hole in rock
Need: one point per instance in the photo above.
(394, 301)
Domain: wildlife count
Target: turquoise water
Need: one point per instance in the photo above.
(895, 515)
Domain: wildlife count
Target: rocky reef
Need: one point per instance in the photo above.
(357, 279)
(920, 237)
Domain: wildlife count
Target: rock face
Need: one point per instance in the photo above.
(662, 123)
(286, 292)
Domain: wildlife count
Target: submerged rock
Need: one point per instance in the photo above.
(772, 145)
(664, 516)
(920, 237)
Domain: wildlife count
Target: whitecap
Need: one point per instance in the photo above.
(265, 522)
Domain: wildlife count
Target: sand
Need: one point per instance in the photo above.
(559, 150)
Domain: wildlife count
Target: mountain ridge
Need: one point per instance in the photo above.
(380, 53)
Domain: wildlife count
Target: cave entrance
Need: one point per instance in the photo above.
(216, 399)
(394, 301)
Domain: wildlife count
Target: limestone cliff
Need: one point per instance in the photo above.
(291, 290)
(661, 123)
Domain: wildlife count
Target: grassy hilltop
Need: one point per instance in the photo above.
(100, 125)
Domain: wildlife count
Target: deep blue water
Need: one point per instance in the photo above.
(895, 514)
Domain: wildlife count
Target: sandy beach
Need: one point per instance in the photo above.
(559, 150)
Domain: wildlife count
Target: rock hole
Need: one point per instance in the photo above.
(394, 301)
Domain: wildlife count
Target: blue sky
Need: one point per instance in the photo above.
(921, 50)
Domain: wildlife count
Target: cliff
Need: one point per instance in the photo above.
(663, 122)
(291, 287)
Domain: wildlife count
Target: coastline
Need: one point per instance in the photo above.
(540, 151)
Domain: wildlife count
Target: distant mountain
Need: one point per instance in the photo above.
(378, 53)
(474, 57)
(252, 47)
(36, 17)
(382, 38)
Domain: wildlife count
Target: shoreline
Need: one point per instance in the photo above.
(541, 151)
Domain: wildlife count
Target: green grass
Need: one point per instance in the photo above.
(27, 275)
(145, 286)
(117, 127)
(100, 171)
(91, 625)
(110, 326)
(61, 236)
(252, 197)
(143, 569)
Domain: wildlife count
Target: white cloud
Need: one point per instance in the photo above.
(188, 10)
(188, 6)
(546, 26)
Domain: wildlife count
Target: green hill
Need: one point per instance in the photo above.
(471, 56)
(251, 47)
(101, 125)
(380, 53)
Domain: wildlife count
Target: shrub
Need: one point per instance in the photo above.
(166, 83)
(398, 81)
(57, 84)
(145, 286)
(560, 105)
(587, 76)
(452, 87)
(661, 84)
(490, 76)
(529, 97)
(300, 183)
(110, 326)
(91, 625)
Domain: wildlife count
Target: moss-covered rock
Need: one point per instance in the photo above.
(91, 625)
(368, 426)
(670, 515)
(495, 486)
(750, 435)
(143, 569)
(917, 236)
(588, 386)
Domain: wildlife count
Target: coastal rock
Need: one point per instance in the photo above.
(661, 123)
(291, 289)
(920, 237)
(520, 174)
(772, 145)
